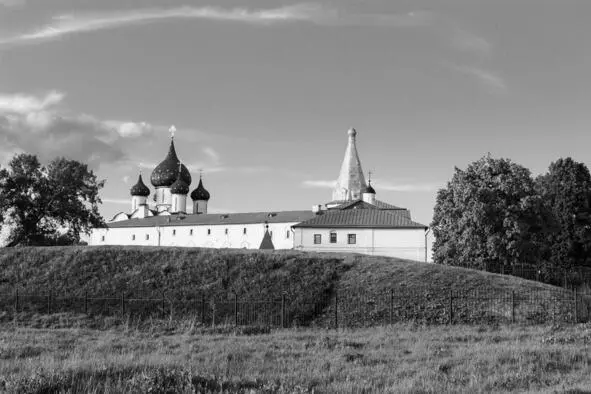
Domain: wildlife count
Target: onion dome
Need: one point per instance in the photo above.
(165, 173)
(140, 189)
(200, 193)
(369, 189)
(179, 186)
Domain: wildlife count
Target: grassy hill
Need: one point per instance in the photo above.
(370, 289)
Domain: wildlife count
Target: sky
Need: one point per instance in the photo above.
(262, 93)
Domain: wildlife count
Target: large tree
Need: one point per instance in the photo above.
(487, 216)
(566, 192)
(48, 205)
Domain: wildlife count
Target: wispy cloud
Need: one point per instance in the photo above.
(492, 82)
(378, 185)
(212, 154)
(12, 3)
(64, 25)
(118, 201)
(319, 184)
(405, 187)
(468, 41)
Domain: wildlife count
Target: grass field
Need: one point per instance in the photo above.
(396, 359)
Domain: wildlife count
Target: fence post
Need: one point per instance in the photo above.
(202, 308)
(122, 304)
(235, 310)
(336, 310)
(512, 306)
(391, 306)
(49, 302)
(451, 307)
(213, 314)
(283, 310)
(576, 314)
(86, 302)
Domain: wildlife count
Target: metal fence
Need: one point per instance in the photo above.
(337, 308)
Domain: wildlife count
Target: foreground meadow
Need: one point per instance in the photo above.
(396, 359)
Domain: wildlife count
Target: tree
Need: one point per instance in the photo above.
(566, 192)
(48, 205)
(487, 216)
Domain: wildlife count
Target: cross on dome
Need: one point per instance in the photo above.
(172, 130)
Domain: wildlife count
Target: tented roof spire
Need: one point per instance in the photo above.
(351, 182)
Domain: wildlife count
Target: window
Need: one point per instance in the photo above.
(352, 239)
(173, 232)
(208, 231)
(133, 237)
(317, 239)
(103, 238)
(147, 237)
(244, 230)
(226, 231)
(333, 238)
(191, 232)
(287, 234)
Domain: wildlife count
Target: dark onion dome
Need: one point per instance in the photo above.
(179, 186)
(139, 189)
(369, 189)
(165, 173)
(200, 193)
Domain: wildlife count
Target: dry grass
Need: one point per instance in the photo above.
(396, 359)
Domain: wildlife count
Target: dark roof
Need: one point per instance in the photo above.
(165, 173)
(378, 204)
(200, 193)
(140, 189)
(267, 242)
(216, 219)
(369, 189)
(363, 218)
(179, 186)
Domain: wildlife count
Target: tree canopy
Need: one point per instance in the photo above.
(487, 216)
(48, 205)
(566, 192)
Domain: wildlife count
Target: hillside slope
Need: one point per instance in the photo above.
(370, 289)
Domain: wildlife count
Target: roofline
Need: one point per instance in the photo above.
(423, 227)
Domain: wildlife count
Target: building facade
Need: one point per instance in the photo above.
(353, 221)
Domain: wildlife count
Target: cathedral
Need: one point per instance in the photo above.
(354, 220)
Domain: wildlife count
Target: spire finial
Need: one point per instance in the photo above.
(172, 130)
(369, 177)
(200, 173)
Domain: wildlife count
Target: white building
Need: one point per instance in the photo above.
(354, 221)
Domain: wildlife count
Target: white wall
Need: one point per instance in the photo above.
(235, 237)
(402, 243)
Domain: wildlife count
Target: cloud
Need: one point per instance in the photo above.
(118, 201)
(319, 184)
(64, 25)
(39, 125)
(212, 154)
(130, 129)
(404, 187)
(379, 185)
(467, 41)
(489, 80)
(24, 103)
(12, 3)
